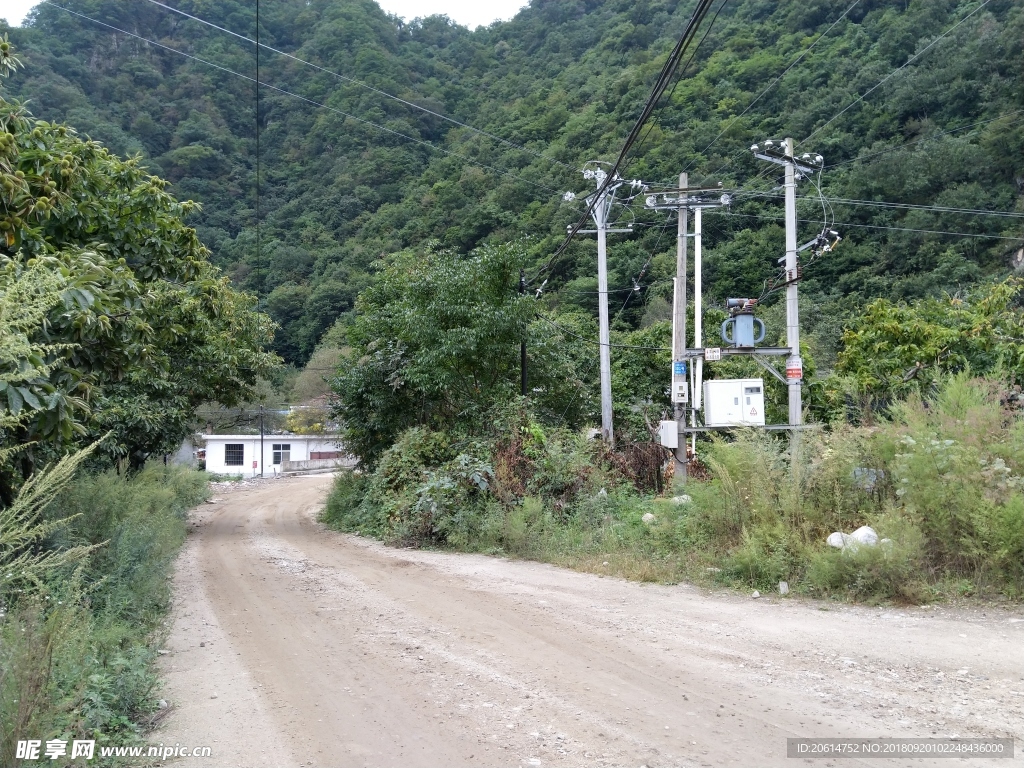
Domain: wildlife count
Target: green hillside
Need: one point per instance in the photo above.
(558, 85)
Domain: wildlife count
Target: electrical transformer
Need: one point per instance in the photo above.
(734, 402)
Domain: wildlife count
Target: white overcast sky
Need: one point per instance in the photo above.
(471, 13)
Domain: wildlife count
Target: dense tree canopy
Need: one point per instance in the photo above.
(559, 84)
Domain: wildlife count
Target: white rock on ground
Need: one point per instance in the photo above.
(648, 518)
(866, 535)
(838, 539)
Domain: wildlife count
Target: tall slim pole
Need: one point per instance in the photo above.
(262, 453)
(601, 219)
(698, 319)
(679, 328)
(522, 345)
(794, 365)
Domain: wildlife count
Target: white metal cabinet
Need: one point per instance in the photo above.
(734, 402)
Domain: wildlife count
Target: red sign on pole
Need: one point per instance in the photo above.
(254, 464)
(794, 369)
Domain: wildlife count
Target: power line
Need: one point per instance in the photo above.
(929, 137)
(878, 226)
(259, 263)
(664, 77)
(870, 90)
(686, 66)
(757, 98)
(308, 100)
(896, 71)
(906, 206)
(631, 289)
(364, 85)
(563, 329)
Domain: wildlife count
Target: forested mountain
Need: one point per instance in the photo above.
(941, 123)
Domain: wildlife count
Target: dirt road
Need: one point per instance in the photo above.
(295, 646)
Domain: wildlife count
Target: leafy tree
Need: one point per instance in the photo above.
(436, 341)
(134, 321)
(895, 347)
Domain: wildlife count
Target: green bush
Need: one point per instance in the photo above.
(890, 571)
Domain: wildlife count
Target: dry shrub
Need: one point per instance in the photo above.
(642, 464)
(512, 470)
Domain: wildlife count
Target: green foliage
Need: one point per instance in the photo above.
(895, 348)
(431, 489)
(435, 343)
(939, 479)
(26, 297)
(116, 321)
(23, 561)
(563, 80)
(77, 643)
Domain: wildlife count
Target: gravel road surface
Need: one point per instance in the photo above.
(291, 645)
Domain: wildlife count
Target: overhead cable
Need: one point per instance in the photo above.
(929, 137)
(361, 84)
(308, 100)
(664, 78)
(886, 204)
(771, 85)
(895, 72)
(877, 226)
(565, 330)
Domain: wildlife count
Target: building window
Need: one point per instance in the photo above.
(234, 454)
(282, 452)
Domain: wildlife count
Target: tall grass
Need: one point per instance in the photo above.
(77, 643)
(941, 478)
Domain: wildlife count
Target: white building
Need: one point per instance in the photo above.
(240, 454)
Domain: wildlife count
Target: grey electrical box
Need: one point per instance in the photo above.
(734, 402)
(668, 434)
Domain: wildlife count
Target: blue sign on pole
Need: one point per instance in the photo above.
(679, 368)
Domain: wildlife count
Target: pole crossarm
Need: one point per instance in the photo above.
(690, 203)
(730, 351)
(769, 427)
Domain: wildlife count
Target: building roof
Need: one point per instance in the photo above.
(271, 437)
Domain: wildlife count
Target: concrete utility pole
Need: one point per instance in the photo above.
(698, 319)
(600, 212)
(783, 154)
(601, 221)
(679, 332)
(794, 364)
(687, 370)
(523, 379)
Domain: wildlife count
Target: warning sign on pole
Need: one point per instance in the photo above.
(794, 369)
